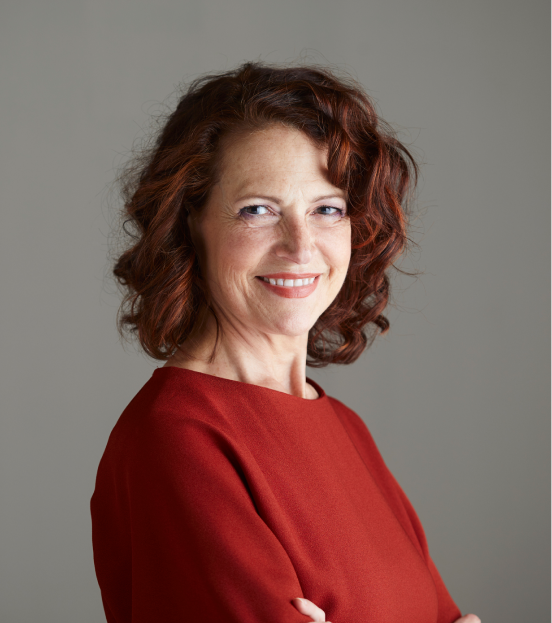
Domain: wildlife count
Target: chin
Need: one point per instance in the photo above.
(292, 325)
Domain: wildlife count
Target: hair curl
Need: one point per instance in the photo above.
(159, 272)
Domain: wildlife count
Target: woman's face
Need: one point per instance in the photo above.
(275, 235)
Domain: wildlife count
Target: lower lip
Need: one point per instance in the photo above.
(297, 292)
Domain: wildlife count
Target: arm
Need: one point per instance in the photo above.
(398, 502)
(199, 549)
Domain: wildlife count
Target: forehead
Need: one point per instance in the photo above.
(276, 156)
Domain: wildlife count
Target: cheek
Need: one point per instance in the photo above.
(236, 254)
(337, 249)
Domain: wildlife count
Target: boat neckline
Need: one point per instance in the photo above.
(321, 393)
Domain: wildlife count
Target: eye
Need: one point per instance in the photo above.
(330, 211)
(255, 210)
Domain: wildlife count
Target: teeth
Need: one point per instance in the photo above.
(289, 283)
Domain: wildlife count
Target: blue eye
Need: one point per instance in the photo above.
(255, 210)
(330, 210)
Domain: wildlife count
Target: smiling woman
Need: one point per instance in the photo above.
(232, 488)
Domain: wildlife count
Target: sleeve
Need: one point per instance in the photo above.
(200, 551)
(448, 610)
(399, 503)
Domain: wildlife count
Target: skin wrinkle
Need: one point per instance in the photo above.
(264, 336)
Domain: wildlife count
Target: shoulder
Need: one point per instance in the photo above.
(352, 422)
(171, 414)
(362, 439)
(173, 396)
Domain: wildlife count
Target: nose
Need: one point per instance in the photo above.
(296, 241)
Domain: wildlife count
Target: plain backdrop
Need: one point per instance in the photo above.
(456, 395)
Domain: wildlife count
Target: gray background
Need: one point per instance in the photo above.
(456, 395)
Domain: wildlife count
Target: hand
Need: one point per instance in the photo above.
(316, 614)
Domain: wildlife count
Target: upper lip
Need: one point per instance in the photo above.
(291, 275)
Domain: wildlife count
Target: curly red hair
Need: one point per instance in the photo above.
(159, 272)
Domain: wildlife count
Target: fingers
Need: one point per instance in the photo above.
(468, 618)
(311, 610)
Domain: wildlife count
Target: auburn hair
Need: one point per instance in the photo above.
(158, 270)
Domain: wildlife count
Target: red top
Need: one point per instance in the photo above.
(219, 501)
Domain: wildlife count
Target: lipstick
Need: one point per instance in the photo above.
(290, 285)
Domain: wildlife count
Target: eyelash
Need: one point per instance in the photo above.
(243, 212)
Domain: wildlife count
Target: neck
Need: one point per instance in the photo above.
(273, 361)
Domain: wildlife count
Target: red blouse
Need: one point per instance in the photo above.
(219, 501)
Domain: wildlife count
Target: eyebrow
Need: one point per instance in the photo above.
(278, 200)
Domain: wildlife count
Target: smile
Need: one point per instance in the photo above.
(289, 283)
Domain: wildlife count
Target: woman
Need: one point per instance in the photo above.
(232, 488)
